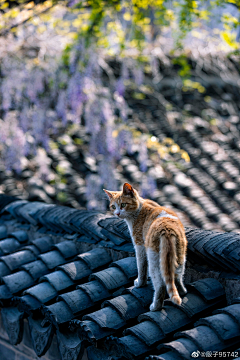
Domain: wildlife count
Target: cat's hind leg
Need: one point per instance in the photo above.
(141, 265)
(157, 281)
(179, 273)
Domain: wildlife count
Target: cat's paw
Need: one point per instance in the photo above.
(138, 283)
(155, 307)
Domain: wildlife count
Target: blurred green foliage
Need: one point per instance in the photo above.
(118, 25)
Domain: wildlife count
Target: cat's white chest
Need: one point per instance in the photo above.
(130, 228)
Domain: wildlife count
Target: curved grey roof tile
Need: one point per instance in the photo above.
(67, 249)
(127, 247)
(36, 269)
(117, 240)
(182, 347)
(86, 239)
(144, 294)
(77, 300)
(58, 279)
(57, 313)
(90, 226)
(20, 235)
(96, 258)
(55, 218)
(126, 305)
(116, 226)
(31, 248)
(52, 259)
(6, 200)
(26, 303)
(9, 245)
(168, 319)
(3, 232)
(148, 332)
(209, 289)
(232, 310)
(216, 248)
(90, 331)
(223, 325)
(78, 218)
(51, 217)
(95, 290)
(37, 212)
(76, 270)
(112, 278)
(4, 269)
(66, 218)
(10, 208)
(106, 318)
(43, 292)
(128, 265)
(15, 260)
(29, 208)
(211, 247)
(5, 294)
(220, 248)
(198, 336)
(43, 244)
(63, 219)
(192, 304)
(18, 281)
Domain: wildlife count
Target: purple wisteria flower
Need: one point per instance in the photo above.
(143, 156)
(12, 142)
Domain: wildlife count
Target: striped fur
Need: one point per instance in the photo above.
(159, 240)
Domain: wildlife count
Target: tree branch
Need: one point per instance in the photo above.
(6, 31)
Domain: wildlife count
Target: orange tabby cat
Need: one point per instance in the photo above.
(159, 240)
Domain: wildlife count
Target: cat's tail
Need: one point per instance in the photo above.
(168, 264)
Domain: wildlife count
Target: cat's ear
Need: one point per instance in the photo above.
(109, 194)
(128, 189)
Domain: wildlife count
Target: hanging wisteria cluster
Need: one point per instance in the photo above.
(35, 98)
(44, 89)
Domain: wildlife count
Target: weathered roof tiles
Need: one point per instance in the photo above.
(155, 327)
(217, 333)
(66, 283)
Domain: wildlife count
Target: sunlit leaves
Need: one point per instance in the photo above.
(184, 67)
(189, 85)
(230, 39)
(120, 26)
(12, 16)
(230, 21)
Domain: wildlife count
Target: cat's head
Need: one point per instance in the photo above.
(123, 203)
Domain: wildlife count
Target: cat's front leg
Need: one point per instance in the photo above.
(141, 265)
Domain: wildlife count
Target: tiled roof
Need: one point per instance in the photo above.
(220, 249)
(205, 192)
(69, 275)
(219, 332)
